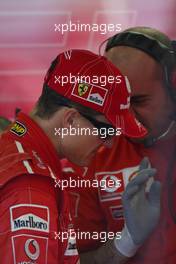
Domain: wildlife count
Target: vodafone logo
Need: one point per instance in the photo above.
(110, 183)
(113, 183)
(33, 243)
(29, 249)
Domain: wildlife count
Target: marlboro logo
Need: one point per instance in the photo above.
(37, 220)
(96, 98)
(30, 222)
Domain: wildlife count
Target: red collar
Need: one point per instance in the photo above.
(36, 138)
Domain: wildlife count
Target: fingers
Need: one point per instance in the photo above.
(144, 164)
(130, 192)
(142, 177)
(154, 195)
(137, 185)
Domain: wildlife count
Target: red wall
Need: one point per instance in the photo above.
(28, 41)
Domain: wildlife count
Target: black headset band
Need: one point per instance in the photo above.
(156, 49)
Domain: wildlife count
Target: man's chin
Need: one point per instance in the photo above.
(87, 161)
(138, 140)
(81, 163)
(148, 141)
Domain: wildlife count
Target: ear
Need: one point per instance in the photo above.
(69, 117)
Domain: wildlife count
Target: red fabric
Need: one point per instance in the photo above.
(105, 212)
(32, 211)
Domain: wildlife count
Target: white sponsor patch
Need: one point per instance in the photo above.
(125, 106)
(96, 98)
(30, 217)
(36, 249)
(113, 183)
(28, 249)
(110, 183)
(116, 212)
(90, 92)
(71, 249)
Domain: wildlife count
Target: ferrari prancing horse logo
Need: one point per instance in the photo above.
(82, 88)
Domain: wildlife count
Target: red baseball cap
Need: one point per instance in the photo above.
(94, 82)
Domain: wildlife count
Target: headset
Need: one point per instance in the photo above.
(166, 56)
(163, 54)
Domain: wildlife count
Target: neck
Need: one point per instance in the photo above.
(48, 127)
(168, 133)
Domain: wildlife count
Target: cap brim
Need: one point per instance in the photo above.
(129, 125)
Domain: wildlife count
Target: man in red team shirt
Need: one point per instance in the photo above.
(34, 210)
(147, 57)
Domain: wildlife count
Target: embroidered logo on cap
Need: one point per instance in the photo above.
(82, 88)
(125, 106)
(90, 92)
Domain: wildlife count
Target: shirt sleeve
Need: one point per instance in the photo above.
(29, 221)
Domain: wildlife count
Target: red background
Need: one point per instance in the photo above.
(28, 42)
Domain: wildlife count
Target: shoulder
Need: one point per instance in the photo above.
(16, 160)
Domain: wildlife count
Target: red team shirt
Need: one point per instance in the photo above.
(101, 210)
(33, 213)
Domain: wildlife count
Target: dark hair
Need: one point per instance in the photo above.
(153, 33)
(149, 32)
(154, 43)
(50, 101)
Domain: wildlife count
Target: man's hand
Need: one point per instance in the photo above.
(141, 212)
(141, 209)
